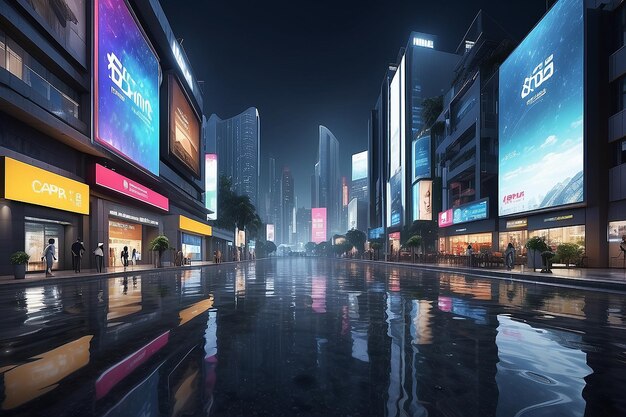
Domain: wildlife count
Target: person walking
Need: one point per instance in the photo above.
(219, 256)
(509, 257)
(99, 253)
(49, 254)
(124, 256)
(469, 252)
(77, 254)
(133, 257)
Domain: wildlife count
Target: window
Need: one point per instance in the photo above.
(618, 93)
(619, 34)
(618, 152)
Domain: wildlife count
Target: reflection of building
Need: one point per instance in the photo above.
(120, 183)
(238, 150)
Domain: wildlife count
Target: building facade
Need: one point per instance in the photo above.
(287, 205)
(327, 188)
(121, 174)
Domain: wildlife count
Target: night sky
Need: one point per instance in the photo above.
(306, 63)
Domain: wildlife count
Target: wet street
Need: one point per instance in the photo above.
(310, 337)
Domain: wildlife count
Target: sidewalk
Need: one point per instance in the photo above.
(40, 278)
(614, 279)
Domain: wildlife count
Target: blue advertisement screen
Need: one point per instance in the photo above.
(471, 212)
(126, 86)
(396, 199)
(541, 115)
(421, 158)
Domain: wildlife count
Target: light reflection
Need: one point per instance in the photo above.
(123, 300)
(421, 316)
(318, 293)
(195, 310)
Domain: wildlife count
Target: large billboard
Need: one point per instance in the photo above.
(423, 200)
(126, 86)
(210, 184)
(477, 210)
(359, 166)
(394, 123)
(421, 157)
(541, 153)
(184, 138)
(395, 188)
(270, 233)
(318, 225)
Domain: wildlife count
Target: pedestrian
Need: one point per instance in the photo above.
(469, 252)
(509, 257)
(77, 254)
(622, 245)
(219, 256)
(133, 257)
(181, 259)
(124, 256)
(99, 253)
(49, 254)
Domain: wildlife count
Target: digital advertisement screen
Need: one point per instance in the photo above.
(396, 199)
(394, 123)
(126, 86)
(415, 192)
(210, 184)
(421, 157)
(541, 151)
(478, 210)
(425, 200)
(184, 141)
(269, 233)
(359, 166)
(318, 225)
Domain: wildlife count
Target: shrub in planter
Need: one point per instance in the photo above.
(536, 246)
(160, 244)
(569, 253)
(19, 260)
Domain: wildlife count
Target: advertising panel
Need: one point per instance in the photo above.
(394, 123)
(29, 184)
(415, 192)
(359, 166)
(184, 141)
(124, 185)
(541, 151)
(445, 218)
(470, 212)
(353, 214)
(421, 157)
(318, 225)
(210, 184)
(270, 233)
(126, 86)
(425, 200)
(376, 233)
(396, 200)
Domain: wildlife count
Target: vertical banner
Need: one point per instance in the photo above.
(210, 184)
(318, 225)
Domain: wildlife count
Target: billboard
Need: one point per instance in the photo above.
(123, 185)
(359, 166)
(445, 218)
(210, 184)
(318, 225)
(395, 185)
(270, 233)
(425, 200)
(541, 150)
(421, 157)
(478, 210)
(394, 123)
(126, 86)
(184, 137)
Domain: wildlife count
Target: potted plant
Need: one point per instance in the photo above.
(536, 246)
(19, 260)
(159, 244)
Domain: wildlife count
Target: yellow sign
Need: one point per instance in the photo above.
(190, 225)
(26, 183)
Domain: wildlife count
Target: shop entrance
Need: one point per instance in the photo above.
(124, 234)
(37, 235)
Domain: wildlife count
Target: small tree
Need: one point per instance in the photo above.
(357, 239)
(159, 244)
(310, 247)
(376, 246)
(270, 247)
(569, 253)
(537, 245)
(413, 242)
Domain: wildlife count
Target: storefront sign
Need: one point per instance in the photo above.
(125, 231)
(558, 218)
(514, 224)
(194, 226)
(123, 185)
(376, 233)
(138, 219)
(394, 236)
(28, 184)
(445, 218)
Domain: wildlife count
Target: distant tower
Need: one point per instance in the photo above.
(287, 205)
(328, 181)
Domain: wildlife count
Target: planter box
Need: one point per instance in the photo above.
(534, 259)
(19, 271)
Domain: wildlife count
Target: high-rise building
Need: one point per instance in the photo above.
(287, 206)
(327, 189)
(238, 142)
(303, 229)
(360, 184)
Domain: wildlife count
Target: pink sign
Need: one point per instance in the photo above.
(119, 183)
(318, 225)
(112, 376)
(445, 218)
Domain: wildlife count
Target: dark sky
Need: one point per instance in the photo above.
(306, 63)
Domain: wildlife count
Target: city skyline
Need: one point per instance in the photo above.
(301, 74)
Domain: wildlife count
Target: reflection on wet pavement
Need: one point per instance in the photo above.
(310, 337)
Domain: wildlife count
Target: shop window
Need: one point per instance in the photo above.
(192, 247)
(518, 238)
(457, 245)
(556, 236)
(124, 234)
(36, 239)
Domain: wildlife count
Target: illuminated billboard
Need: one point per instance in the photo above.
(394, 123)
(269, 233)
(421, 157)
(126, 86)
(210, 184)
(359, 166)
(395, 186)
(541, 151)
(478, 210)
(184, 138)
(422, 200)
(318, 225)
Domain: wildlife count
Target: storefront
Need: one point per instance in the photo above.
(40, 205)
(189, 236)
(566, 226)
(467, 225)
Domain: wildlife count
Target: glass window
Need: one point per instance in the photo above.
(620, 27)
(554, 237)
(36, 239)
(457, 245)
(618, 153)
(518, 238)
(192, 247)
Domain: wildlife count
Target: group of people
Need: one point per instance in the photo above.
(509, 256)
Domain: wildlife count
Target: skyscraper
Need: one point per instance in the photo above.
(238, 143)
(287, 205)
(328, 182)
(359, 186)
